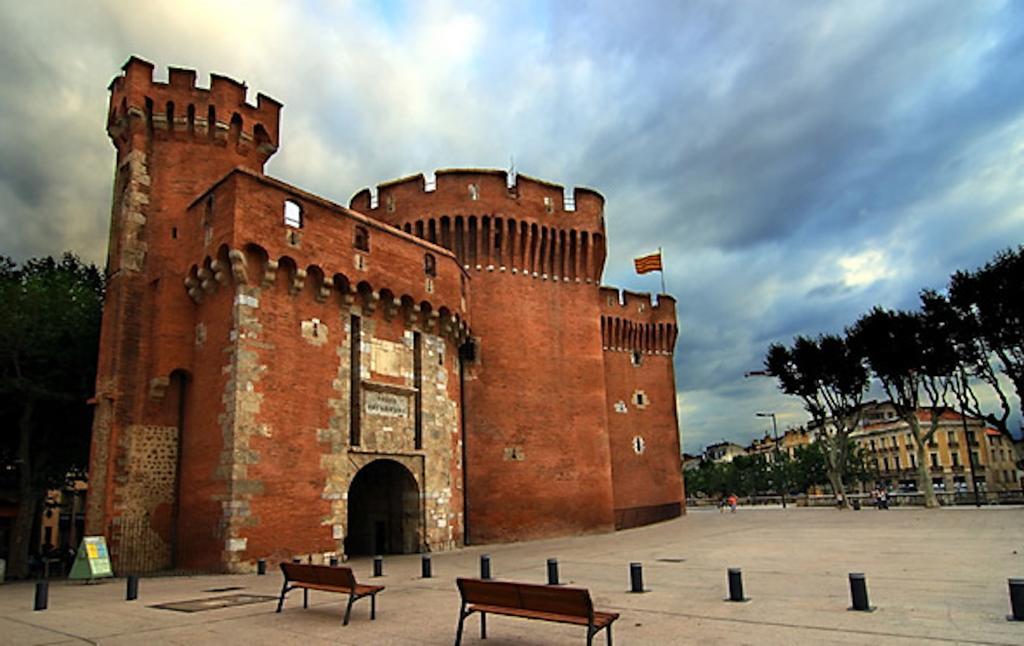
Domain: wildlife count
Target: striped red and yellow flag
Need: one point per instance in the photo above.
(648, 263)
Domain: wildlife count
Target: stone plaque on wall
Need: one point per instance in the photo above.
(390, 358)
(386, 404)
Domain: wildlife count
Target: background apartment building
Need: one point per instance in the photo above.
(960, 447)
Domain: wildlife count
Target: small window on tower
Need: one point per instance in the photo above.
(474, 192)
(292, 214)
(429, 264)
(362, 238)
(638, 358)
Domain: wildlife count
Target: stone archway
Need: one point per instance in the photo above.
(383, 510)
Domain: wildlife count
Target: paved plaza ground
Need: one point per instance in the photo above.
(935, 576)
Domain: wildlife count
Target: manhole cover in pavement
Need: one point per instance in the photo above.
(230, 588)
(214, 603)
(671, 560)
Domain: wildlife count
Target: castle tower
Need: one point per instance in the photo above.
(537, 447)
(279, 374)
(638, 337)
(173, 140)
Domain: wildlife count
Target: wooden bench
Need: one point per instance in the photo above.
(327, 579)
(530, 601)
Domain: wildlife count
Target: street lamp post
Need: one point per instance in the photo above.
(778, 459)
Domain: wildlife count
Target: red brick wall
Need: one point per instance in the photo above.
(200, 538)
(537, 387)
(535, 419)
(646, 484)
(295, 388)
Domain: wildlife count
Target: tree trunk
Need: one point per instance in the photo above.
(838, 488)
(21, 532)
(924, 480)
(833, 464)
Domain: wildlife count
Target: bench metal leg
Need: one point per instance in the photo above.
(284, 591)
(458, 631)
(483, 625)
(373, 606)
(348, 609)
(305, 597)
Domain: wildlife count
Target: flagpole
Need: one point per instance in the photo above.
(661, 256)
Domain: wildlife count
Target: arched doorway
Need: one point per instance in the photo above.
(383, 510)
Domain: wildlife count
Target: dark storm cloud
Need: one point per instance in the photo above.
(818, 147)
(798, 162)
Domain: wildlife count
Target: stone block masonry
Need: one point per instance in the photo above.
(283, 376)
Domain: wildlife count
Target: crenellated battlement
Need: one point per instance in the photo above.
(475, 189)
(634, 321)
(492, 221)
(179, 109)
(637, 305)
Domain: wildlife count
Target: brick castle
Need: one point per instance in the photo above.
(433, 365)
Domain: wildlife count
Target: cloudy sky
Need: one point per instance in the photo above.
(798, 161)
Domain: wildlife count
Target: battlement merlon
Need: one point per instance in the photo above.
(632, 322)
(640, 307)
(134, 91)
(483, 191)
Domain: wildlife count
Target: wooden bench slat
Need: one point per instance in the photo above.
(341, 577)
(359, 590)
(601, 619)
(498, 593)
(559, 600)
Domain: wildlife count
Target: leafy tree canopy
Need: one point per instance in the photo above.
(49, 336)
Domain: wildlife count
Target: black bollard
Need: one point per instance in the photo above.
(485, 566)
(131, 592)
(425, 566)
(553, 572)
(42, 595)
(261, 567)
(636, 577)
(859, 592)
(378, 566)
(1016, 600)
(334, 561)
(736, 585)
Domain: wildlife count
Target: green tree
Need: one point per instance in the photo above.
(989, 307)
(809, 467)
(960, 332)
(911, 355)
(49, 335)
(830, 379)
(751, 474)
